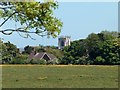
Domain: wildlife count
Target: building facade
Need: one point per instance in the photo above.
(63, 41)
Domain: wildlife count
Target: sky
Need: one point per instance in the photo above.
(79, 20)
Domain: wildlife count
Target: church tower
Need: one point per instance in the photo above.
(63, 41)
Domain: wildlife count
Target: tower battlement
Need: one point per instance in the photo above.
(63, 41)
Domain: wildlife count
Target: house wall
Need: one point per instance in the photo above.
(46, 57)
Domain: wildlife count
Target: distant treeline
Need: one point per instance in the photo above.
(97, 49)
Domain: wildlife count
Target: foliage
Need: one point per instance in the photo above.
(28, 49)
(43, 62)
(53, 62)
(101, 48)
(34, 17)
(8, 52)
(2, 50)
(99, 60)
(97, 49)
(49, 49)
(82, 60)
(56, 52)
(110, 52)
(21, 59)
(38, 61)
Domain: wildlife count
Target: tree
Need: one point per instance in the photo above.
(74, 53)
(28, 49)
(110, 35)
(110, 51)
(8, 52)
(2, 50)
(102, 48)
(34, 17)
(21, 59)
(93, 43)
(99, 60)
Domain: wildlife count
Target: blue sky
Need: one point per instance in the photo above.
(79, 20)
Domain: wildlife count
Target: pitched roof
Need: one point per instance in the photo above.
(51, 56)
(40, 55)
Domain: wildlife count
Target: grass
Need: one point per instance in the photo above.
(38, 76)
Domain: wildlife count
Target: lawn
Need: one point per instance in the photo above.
(41, 76)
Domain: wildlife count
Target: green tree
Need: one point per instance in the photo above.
(109, 35)
(9, 51)
(38, 61)
(81, 60)
(28, 49)
(93, 43)
(2, 50)
(34, 17)
(110, 52)
(21, 59)
(74, 53)
(101, 48)
(99, 60)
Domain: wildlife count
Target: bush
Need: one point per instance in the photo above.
(99, 60)
(82, 60)
(17, 61)
(42, 62)
(21, 59)
(54, 61)
(38, 61)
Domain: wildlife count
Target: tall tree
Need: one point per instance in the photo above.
(34, 17)
(28, 49)
(8, 51)
(101, 48)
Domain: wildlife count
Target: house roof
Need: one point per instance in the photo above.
(40, 55)
(51, 56)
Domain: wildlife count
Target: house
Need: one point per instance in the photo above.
(41, 55)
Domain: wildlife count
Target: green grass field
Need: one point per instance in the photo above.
(60, 76)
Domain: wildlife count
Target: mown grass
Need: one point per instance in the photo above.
(59, 76)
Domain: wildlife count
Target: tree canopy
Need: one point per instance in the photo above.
(33, 17)
(99, 49)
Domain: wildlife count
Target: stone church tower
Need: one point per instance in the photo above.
(63, 41)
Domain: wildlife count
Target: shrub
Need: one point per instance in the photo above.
(54, 61)
(21, 59)
(17, 61)
(38, 61)
(82, 60)
(42, 61)
(99, 60)
(34, 61)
